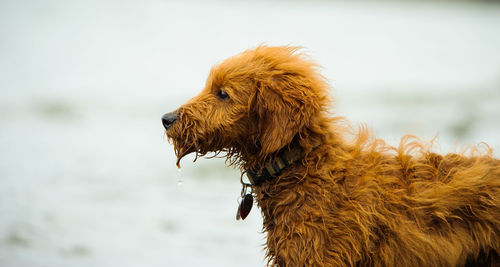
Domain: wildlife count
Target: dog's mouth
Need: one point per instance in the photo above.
(188, 143)
(181, 153)
(184, 146)
(186, 139)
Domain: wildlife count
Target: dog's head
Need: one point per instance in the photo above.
(253, 104)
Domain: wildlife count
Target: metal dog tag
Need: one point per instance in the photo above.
(238, 216)
(246, 203)
(245, 207)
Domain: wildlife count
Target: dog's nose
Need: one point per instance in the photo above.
(168, 119)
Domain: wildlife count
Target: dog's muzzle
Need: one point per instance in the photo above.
(168, 119)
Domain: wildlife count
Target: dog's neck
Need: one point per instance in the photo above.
(264, 167)
(272, 168)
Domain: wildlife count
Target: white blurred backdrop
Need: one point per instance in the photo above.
(87, 177)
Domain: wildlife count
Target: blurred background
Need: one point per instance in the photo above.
(87, 177)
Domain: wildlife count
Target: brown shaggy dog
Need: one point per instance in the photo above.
(330, 200)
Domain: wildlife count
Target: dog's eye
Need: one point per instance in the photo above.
(222, 95)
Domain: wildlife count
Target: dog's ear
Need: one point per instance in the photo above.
(281, 112)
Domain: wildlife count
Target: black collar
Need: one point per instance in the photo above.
(271, 169)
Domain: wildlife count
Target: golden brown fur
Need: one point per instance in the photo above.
(348, 202)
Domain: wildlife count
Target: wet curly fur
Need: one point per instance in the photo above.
(353, 201)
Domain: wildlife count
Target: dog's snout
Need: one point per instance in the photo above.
(168, 119)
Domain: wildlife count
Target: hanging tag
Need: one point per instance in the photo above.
(246, 203)
(245, 206)
(238, 216)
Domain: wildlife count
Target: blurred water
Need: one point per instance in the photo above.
(86, 175)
